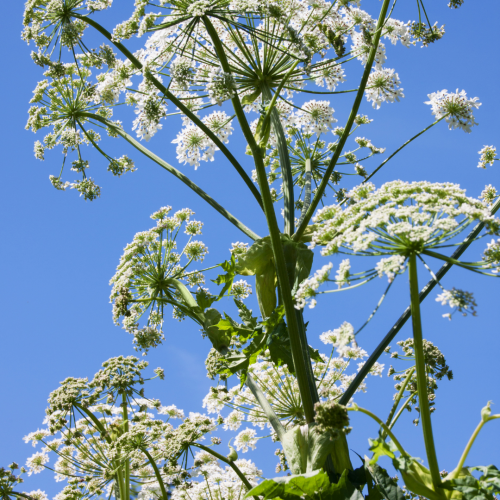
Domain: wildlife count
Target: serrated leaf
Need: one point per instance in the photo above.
(385, 485)
(245, 315)
(310, 486)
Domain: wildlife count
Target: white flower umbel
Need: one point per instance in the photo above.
(246, 439)
(316, 117)
(241, 289)
(458, 300)
(193, 146)
(457, 108)
(398, 219)
(308, 288)
(383, 86)
(488, 155)
(281, 388)
(149, 275)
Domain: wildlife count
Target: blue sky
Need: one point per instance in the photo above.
(59, 252)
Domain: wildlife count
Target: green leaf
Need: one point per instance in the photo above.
(250, 98)
(233, 328)
(385, 486)
(306, 449)
(467, 487)
(226, 279)
(417, 478)
(379, 448)
(246, 315)
(205, 300)
(310, 486)
(278, 343)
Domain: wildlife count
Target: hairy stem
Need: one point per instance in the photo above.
(423, 399)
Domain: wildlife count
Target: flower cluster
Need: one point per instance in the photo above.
(406, 379)
(149, 275)
(107, 426)
(488, 155)
(281, 388)
(456, 108)
(400, 218)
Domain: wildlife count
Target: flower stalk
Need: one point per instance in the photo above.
(425, 415)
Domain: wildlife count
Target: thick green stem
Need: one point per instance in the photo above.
(284, 157)
(169, 168)
(423, 399)
(354, 111)
(365, 369)
(274, 233)
(195, 119)
(231, 464)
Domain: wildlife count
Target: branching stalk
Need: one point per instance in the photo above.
(365, 369)
(195, 119)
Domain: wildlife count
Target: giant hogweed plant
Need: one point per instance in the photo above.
(253, 66)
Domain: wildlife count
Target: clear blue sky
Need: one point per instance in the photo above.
(59, 252)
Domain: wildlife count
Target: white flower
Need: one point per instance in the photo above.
(492, 255)
(35, 463)
(246, 439)
(340, 337)
(193, 146)
(329, 75)
(220, 86)
(397, 218)
(241, 289)
(316, 117)
(390, 266)
(36, 436)
(488, 156)
(383, 86)
(234, 420)
(343, 273)
(38, 495)
(308, 288)
(489, 194)
(459, 300)
(150, 110)
(237, 249)
(457, 106)
(172, 411)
